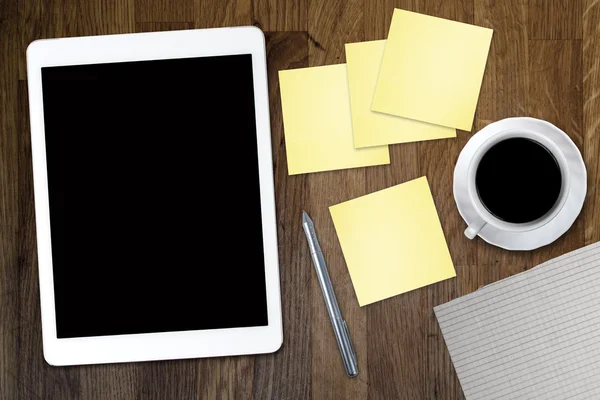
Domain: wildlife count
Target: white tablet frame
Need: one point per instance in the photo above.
(137, 47)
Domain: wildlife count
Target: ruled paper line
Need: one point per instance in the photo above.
(457, 365)
(512, 372)
(594, 311)
(464, 338)
(544, 380)
(544, 266)
(528, 310)
(593, 264)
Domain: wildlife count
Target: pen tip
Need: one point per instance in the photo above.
(305, 218)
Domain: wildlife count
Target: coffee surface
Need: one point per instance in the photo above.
(518, 180)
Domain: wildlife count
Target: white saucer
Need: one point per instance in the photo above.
(537, 234)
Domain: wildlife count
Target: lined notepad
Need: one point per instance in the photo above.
(535, 335)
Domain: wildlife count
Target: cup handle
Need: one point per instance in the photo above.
(474, 229)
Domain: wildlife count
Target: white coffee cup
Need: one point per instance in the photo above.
(537, 233)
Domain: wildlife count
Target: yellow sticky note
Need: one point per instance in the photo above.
(392, 241)
(318, 124)
(373, 128)
(432, 70)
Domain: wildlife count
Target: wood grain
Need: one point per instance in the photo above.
(287, 374)
(504, 94)
(165, 10)
(544, 62)
(555, 95)
(105, 17)
(10, 269)
(398, 332)
(105, 382)
(162, 26)
(591, 116)
(219, 13)
(29, 334)
(555, 19)
(281, 15)
(331, 24)
(378, 16)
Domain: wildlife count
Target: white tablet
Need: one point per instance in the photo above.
(154, 196)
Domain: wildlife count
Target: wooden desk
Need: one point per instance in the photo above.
(544, 63)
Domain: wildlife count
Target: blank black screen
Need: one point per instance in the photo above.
(154, 196)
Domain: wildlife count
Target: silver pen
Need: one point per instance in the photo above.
(340, 329)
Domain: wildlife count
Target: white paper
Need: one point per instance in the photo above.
(535, 335)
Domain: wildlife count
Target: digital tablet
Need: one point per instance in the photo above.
(154, 196)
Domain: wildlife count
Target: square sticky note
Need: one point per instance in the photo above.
(392, 241)
(432, 70)
(317, 122)
(373, 128)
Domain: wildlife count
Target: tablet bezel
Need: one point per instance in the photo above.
(139, 47)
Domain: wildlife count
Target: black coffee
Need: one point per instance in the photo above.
(518, 180)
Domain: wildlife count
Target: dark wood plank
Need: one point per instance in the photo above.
(61, 383)
(591, 116)
(31, 368)
(555, 19)
(555, 95)
(329, 378)
(391, 323)
(331, 25)
(436, 161)
(287, 373)
(219, 13)
(456, 10)
(231, 378)
(167, 379)
(119, 381)
(396, 354)
(504, 94)
(65, 18)
(378, 16)
(162, 26)
(34, 377)
(105, 17)
(11, 320)
(43, 20)
(164, 11)
(504, 91)
(281, 15)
